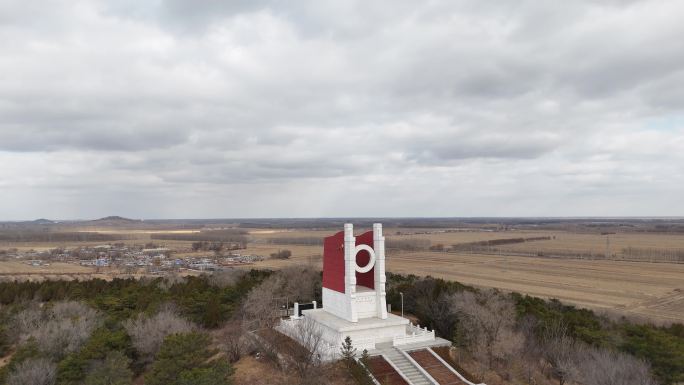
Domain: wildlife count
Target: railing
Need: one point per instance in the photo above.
(414, 333)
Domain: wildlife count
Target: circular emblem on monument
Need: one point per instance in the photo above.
(371, 261)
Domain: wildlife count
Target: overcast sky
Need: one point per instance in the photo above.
(191, 109)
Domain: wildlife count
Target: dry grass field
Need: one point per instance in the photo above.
(643, 289)
(650, 290)
(15, 267)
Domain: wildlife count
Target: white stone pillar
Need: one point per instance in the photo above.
(296, 310)
(350, 271)
(380, 279)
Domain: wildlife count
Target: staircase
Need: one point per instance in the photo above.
(406, 367)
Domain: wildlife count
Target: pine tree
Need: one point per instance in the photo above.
(113, 370)
(365, 357)
(348, 351)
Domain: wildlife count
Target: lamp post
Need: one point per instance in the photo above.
(402, 304)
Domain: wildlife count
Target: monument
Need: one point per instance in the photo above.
(354, 298)
(354, 274)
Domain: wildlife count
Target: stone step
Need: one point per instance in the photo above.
(405, 366)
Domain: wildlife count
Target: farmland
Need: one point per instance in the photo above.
(641, 289)
(620, 270)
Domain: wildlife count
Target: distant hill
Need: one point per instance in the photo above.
(117, 218)
(113, 220)
(43, 221)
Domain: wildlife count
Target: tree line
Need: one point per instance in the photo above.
(108, 332)
(514, 333)
(227, 236)
(496, 242)
(413, 244)
(190, 330)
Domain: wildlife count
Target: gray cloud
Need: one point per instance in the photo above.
(180, 108)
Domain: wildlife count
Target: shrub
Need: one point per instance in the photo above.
(183, 358)
(148, 333)
(4, 340)
(282, 254)
(113, 370)
(36, 371)
(71, 369)
(25, 352)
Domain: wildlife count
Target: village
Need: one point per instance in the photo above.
(154, 259)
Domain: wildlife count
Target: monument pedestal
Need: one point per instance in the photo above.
(365, 333)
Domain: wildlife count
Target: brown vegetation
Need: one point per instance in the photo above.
(487, 325)
(59, 329)
(148, 333)
(496, 343)
(36, 371)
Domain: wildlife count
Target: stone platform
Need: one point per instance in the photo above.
(365, 333)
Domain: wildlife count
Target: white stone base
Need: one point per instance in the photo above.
(365, 333)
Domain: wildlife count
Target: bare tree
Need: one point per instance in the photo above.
(61, 337)
(59, 329)
(605, 367)
(530, 350)
(147, 334)
(27, 320)
(170, 280)
(489, 319)
(227, 277)
(306, 357)
(560, 351)
(259, 308)
(437, 314)
(231, 341)
(37, 371)
(71, 310)
(297, 283)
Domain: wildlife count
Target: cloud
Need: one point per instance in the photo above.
(177, 108)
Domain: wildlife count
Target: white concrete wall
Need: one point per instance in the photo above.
(366, 304)
(336, 303)
(364, 338)
(377, 335)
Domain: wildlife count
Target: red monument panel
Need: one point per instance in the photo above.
(362, 258)
(333, 262)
